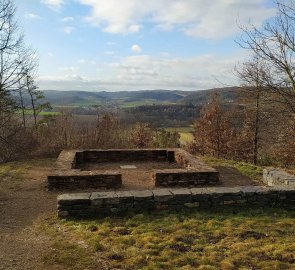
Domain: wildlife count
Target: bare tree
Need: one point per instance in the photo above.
(252, 74)
(36, 98)
(274, 44)
(15, 57)
(22, 106)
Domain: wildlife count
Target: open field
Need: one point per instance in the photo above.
(133, 104)
(186, 133)
(30, 112)
(32, 237)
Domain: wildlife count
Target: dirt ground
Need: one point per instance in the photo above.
(21, 208)
(231, 177)
(140, 178)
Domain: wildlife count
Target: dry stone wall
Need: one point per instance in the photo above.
(99, 204)
(185, 178)
(196, 173)
(80, 180)
(123, 155)
(278, 177)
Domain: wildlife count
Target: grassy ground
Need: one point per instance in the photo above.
(252, 171)
(227, 239)
(12, 174)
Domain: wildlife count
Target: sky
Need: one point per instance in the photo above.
(112, 45)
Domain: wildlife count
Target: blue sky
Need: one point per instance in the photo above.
(137, 44)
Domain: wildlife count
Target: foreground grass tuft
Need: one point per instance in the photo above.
(248, 239)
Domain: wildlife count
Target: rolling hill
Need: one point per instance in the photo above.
(136, 98)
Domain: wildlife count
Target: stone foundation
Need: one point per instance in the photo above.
(185, 178)
(68, 173)
(124, 155)
(69, 180)
(99, 204)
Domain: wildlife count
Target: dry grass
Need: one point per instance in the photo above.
(12, 174)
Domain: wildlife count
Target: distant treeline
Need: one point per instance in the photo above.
(158, 115)
(162, 115)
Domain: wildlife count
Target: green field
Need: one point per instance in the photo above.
(125, 104)
(186, 134)
(30, 112)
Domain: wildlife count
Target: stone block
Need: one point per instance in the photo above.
(222, 191)
(144, 204)
(142, 195)
(125, 197)
(181, 195)
(192, 205)
(228, 202)
(249, 190)
(241, 201)
(104, 198)
(73, 207)
(162, 195)
(82, 213)
(74, 198)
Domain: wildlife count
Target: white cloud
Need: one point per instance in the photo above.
(149, 72)
(111, 43)
(193, 17)
(136, 48)
(32, 16)
(54, 4)
(68, 19)
(68, 29)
